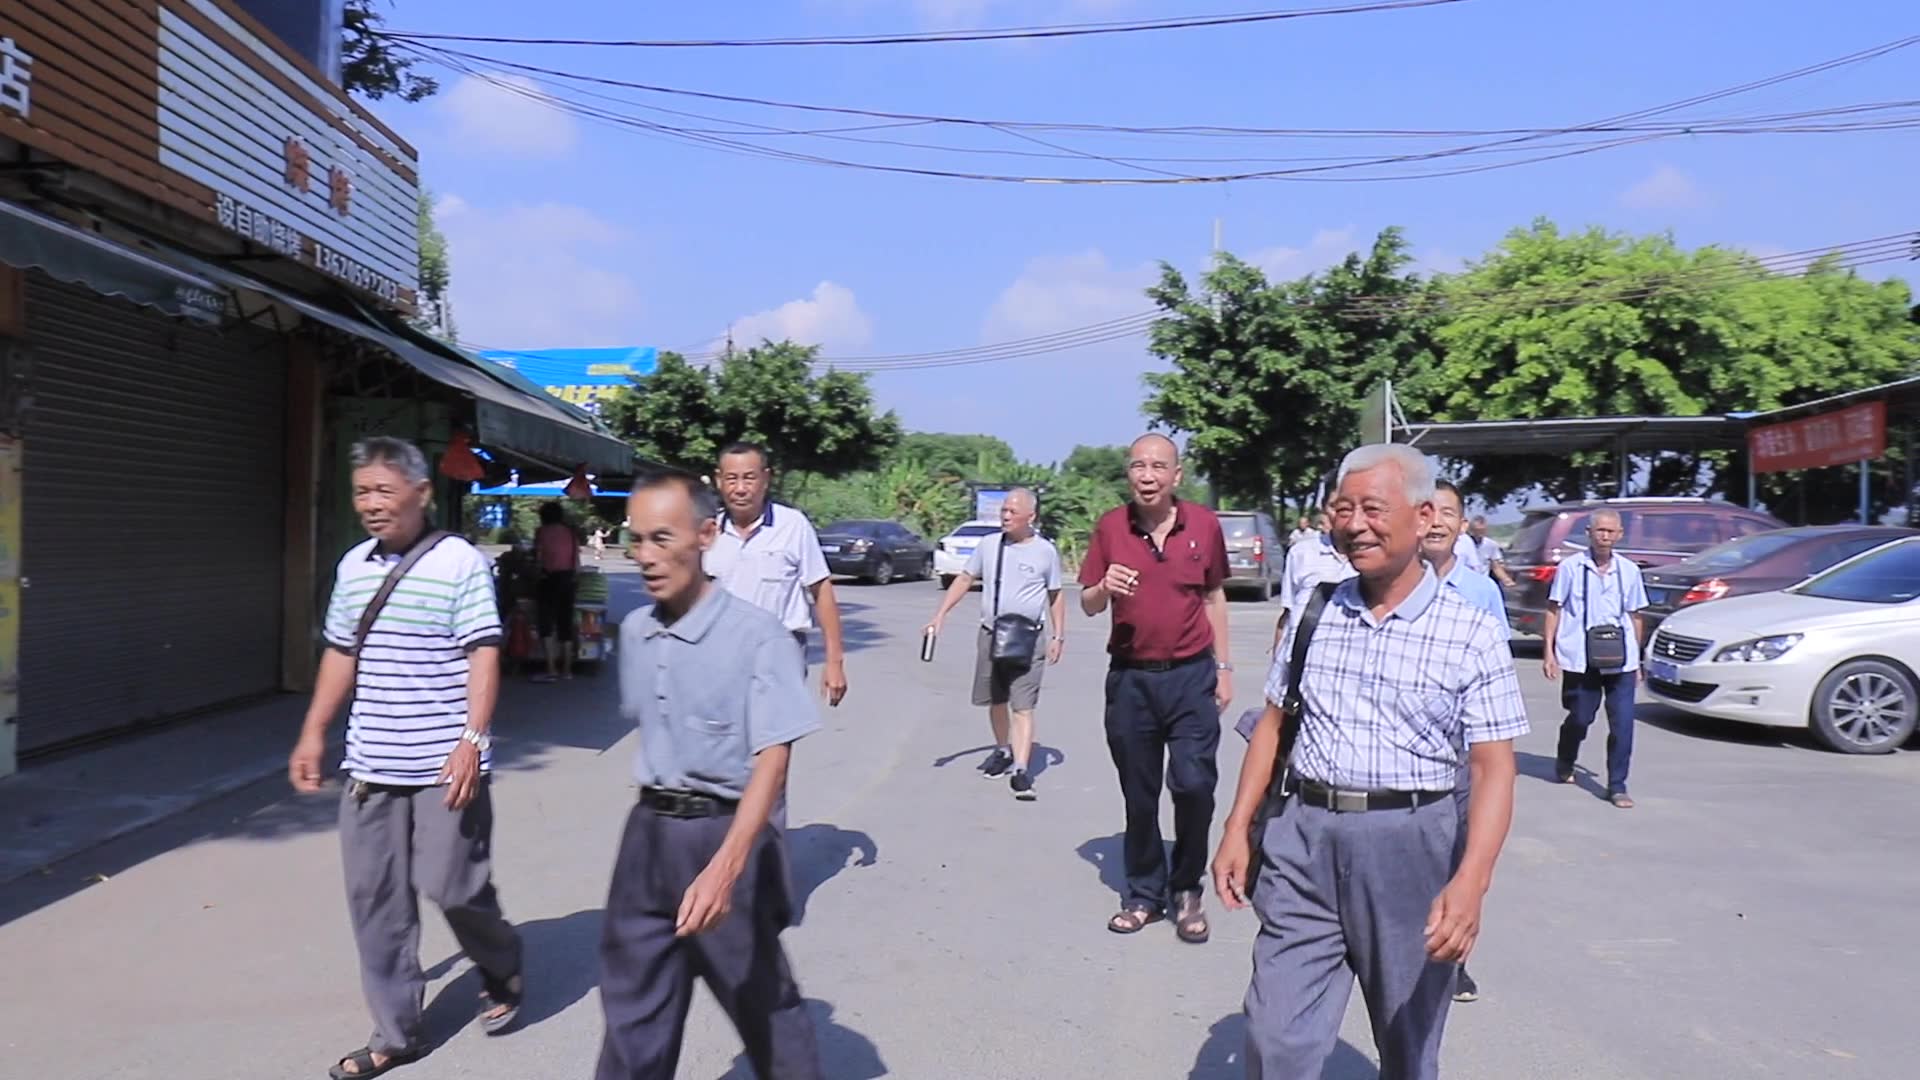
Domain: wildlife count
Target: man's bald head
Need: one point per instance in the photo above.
(1016, 513)
(1153, 471)
(1154, 438)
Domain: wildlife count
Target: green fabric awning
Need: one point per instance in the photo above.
(33, 241)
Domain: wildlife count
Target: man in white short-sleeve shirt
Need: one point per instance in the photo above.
(768, 555)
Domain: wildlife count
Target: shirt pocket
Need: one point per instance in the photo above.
(716, 748)
(778, 567)
(1189, 567)
(1429, 721)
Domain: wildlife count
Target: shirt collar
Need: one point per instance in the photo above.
(1414, 606)
(696, 622)
(1179, 517)
(379, 550)
(1585, 559)
(766, 519)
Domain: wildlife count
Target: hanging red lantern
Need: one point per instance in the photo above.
(578, 488)
(460, 462)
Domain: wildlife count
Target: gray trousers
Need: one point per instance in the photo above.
(1340, 897)
(394, 843)
(646, 973)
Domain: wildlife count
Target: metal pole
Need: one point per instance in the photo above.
(1866, 506)
(1753, 484)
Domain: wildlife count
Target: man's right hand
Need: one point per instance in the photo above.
(1230, 868)
(1550, 664)
(303, 766)
(1120, 580)
(939, 623)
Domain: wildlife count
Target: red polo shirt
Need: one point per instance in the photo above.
(1166, 618)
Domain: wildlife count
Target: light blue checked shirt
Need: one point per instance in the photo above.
(1390, 702)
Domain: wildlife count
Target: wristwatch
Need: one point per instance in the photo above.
(1222, 665)
(479, 739)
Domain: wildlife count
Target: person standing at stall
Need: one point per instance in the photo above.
(556, 547)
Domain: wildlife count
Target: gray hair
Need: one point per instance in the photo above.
(1416, 469)
(1033, 501)
(397, 454)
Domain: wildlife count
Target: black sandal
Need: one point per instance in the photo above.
(1133, 918)
(509, 992)
(362, 1061)
(1190, 921)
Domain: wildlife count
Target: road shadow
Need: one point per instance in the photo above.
(982, 751)
(1224, 1055)
(1106, 854)
(1732, 732)
(562, 957)
(1044, 757)
(1527, 648)
(1541, 767)
(845, 1054)
(819, 852)
(856, 633)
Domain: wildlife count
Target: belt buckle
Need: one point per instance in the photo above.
(1348, 802)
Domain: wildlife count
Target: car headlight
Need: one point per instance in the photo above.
(1758, 650)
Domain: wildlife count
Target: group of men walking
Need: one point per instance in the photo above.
(1364, 828)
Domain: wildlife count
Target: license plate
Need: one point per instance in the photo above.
(1660, 597)
(830, 549)
(1664, 670)
(963, 549)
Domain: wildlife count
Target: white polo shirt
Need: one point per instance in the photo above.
(773, 565)
(1309, 563)
(1468, 553)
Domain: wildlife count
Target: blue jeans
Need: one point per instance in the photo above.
(1581, 693)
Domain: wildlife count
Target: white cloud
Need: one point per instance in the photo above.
(830, 318)
(1063, 292)
(1666, 188)
(506, 115)
(540, 276)
(1327, 247)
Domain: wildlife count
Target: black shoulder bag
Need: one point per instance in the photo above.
(1606, 645)
(1015, 637)
(407, 562)
(1293, 713)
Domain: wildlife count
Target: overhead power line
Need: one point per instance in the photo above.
(942, 37)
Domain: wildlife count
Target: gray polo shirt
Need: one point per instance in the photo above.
(709, 691)
(1032, 569)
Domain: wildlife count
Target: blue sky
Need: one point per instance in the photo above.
(567, 233)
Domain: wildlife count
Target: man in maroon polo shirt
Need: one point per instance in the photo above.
(1161, 564)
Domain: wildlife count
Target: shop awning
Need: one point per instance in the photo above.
(521, 420)
(542, 491)
(34, 241)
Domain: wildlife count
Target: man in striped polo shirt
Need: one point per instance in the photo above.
(423, 676)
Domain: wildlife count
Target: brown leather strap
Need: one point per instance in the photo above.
(407, 562)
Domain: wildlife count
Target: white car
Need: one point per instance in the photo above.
(950, 555)
(1837, 653)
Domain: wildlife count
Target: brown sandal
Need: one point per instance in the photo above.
(1132, 920)
(1190, 922)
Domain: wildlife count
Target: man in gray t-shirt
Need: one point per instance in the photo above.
(1019, 574)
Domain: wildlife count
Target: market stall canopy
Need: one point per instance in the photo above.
(1631, 434)
(34, 241)
(583, 377)
(543, 491)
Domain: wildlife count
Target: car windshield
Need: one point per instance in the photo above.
(1742, 553)
(1237, 528)
(1890, 575)
(850, 528)
(974, 530)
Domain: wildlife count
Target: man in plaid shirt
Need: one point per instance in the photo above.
(1359, 873)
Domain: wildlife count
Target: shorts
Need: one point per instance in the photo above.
(553, 604)
(1006, 683)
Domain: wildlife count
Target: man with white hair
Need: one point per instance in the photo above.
(1019, 575)
(1359, 874)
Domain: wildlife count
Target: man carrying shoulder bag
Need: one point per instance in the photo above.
(1595, 635)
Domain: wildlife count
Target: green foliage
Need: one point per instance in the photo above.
(823, 425)
(436, 276)
(1267, 378)
(369, 64)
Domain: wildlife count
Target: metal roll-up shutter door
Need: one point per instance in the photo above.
(152, 481)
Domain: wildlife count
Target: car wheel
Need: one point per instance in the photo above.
(883, 571)
(926, 569)
(1865, 707)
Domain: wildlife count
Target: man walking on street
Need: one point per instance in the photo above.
(1160, 563)
(700, 881)
(1019, 573)
(1439, 548)
(1309, 562)
(1491, 554)
(413, 639)
(1595, 589)
(1359, 875)
(768, 555)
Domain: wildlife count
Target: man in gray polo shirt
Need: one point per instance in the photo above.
(1019, 572)
(715, 685)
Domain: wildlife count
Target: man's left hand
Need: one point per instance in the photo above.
(833, 682)
(1453, 923)
(707, 900)
(461, 774)
(1223, 689)
(1055, 648)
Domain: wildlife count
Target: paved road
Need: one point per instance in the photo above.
(1750, 919)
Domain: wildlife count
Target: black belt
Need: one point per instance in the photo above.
(1346, 802)
(1159, 665)
(674, 802)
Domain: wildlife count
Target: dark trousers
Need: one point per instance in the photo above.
(1581, 694)
(646, 973)
(398, 840)
(1165, 724)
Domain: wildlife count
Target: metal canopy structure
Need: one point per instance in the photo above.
(1615, 434)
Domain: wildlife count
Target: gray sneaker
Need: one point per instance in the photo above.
(996, 765)
(1022, 786)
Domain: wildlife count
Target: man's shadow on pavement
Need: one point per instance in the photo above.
(818, 853)
(1224, 1056)
(1107, 855)
(1540, 767)
(845, 1054)
(1044, 758)
(562, 958)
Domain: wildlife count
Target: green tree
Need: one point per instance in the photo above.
(370, 65)
(814, 424)
(1268, 379)
(972, 457)
(435, 315)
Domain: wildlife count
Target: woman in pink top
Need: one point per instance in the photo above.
(556, 550)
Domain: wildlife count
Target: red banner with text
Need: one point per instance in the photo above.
(1855, 433)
